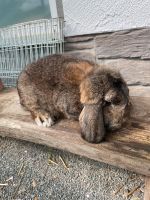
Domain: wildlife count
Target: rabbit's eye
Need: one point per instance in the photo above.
(106, 103)
(116, 101)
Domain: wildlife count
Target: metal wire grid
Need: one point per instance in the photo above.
(24, 43)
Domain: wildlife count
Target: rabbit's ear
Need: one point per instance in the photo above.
(89, 92)
(91, 123)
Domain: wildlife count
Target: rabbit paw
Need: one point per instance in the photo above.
(42, 118)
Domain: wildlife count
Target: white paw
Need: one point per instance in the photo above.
(38, 121)
(44, 122)
(47, 122)
(50, 121)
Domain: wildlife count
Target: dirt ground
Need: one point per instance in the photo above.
(34, 172)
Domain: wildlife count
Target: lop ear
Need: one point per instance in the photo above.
(91, 123)
(90, 91)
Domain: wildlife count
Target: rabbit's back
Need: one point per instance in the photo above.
(59, 69)
(53, 83)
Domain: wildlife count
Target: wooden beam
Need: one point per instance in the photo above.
(147, 189)
(127, 69)
(133, 43)
(129, 148)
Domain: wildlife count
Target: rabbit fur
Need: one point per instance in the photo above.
(61, 86)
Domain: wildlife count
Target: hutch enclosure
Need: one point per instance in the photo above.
(28, 36)
(24, 43)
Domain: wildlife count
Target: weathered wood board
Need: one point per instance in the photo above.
(135, 72)
(133, 43)
(128, 148)
(147, 189)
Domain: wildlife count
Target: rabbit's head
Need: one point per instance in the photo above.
(116, 104)
(116, 107)
(105, 97)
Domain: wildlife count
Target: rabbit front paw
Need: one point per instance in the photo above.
(42, 118)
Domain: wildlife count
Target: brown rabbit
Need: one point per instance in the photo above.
(62, 86)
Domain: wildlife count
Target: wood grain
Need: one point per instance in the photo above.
(132, 43)
(128, 148)
(147, 189)
(135, 72)
(82, 38)
(140, 98)
(79, 43)
(84, 54)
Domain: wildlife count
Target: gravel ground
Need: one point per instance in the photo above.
(28, 175)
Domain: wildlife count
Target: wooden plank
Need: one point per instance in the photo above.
(135, 72)
(83, 54)
(132, 43)
(129, 148)
(141, 108)
(147, 189)
(81, 47)
(77, 39)
(140, 97)
(139, 91)
(79, 43)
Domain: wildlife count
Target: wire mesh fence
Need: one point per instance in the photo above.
(24, 43)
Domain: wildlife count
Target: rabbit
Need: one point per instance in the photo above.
(62, 86)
